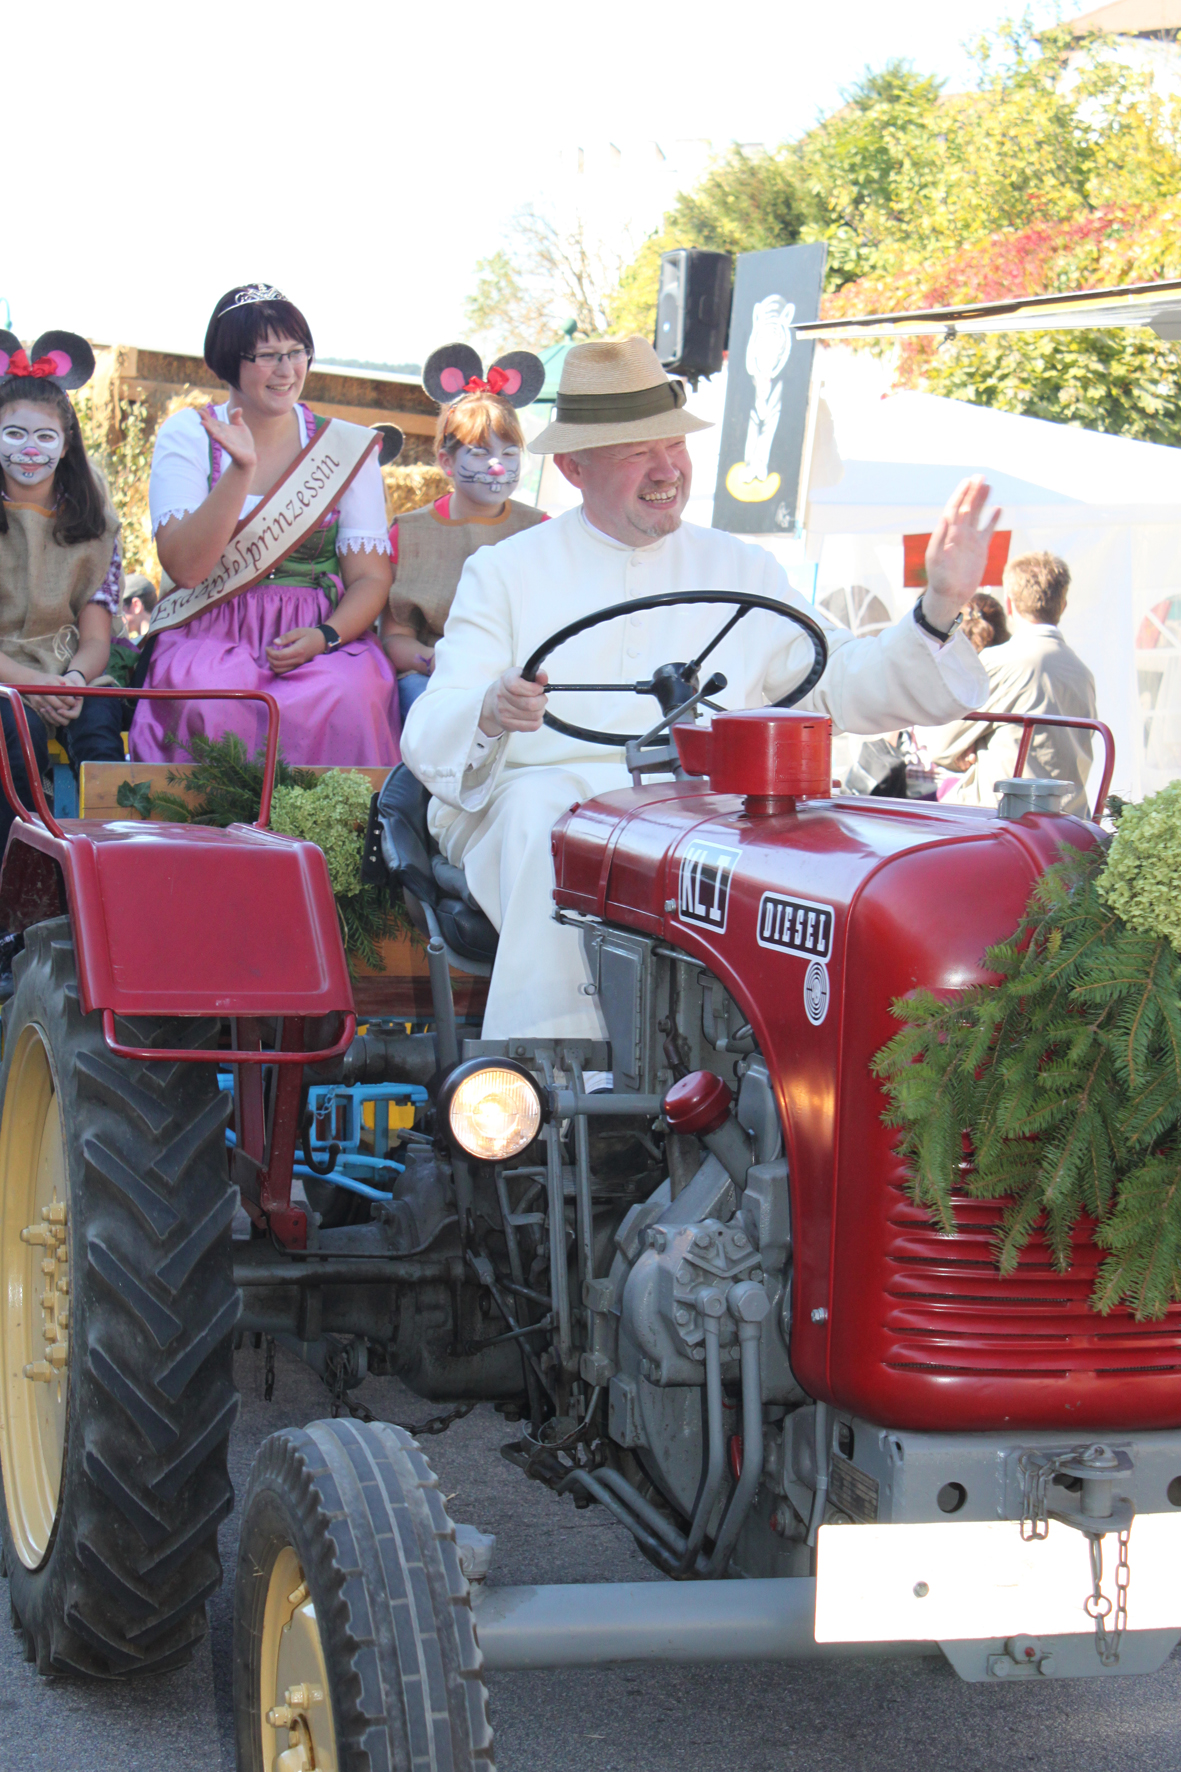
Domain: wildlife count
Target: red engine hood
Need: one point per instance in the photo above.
(816, 920)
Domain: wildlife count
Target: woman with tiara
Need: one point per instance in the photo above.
(234, 487)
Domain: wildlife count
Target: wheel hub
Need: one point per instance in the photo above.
(294, 1676)
(55, 1300)
(35, 1301)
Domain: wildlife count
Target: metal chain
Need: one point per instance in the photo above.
(435, 1424)
(1036, 1473)
(1097, 1604)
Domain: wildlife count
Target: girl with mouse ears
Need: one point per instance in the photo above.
(480, 447)
(61, 566)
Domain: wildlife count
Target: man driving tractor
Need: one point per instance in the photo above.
(499, 779)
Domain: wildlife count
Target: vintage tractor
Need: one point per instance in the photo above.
(702, 1291)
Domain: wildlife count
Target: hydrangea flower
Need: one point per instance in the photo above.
(333, 815)
(1142, 880)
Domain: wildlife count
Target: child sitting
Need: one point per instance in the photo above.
(479, 445)
(61, 570)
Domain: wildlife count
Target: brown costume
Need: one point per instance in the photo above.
(44, 586)
(432, 552)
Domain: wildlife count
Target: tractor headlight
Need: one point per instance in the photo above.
(492, 1110)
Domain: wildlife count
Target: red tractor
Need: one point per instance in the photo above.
(703, 1292)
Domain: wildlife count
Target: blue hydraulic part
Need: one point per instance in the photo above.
(338, 1119)
(336, 1176)
(337, 1116)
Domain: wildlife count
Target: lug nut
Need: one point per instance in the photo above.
(302, 1696)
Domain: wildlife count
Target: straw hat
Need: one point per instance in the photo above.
(614, 391)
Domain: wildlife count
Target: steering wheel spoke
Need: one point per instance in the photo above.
(597, 688)
(741, 601)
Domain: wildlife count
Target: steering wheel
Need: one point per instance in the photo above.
(674, 685)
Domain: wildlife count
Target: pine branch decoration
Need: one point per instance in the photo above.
(1058, 1088)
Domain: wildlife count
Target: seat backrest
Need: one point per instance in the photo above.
(406, 843)
(415, 865)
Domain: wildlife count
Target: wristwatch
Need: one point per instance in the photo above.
(332, 639)
(929, 627)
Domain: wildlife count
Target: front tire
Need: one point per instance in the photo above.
(354, 1643)
(116, 1320)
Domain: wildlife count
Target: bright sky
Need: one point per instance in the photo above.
(363, 156)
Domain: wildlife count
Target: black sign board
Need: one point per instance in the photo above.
(770, 370)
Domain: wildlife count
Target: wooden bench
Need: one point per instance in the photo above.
(399, 988)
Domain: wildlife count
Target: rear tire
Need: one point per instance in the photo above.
(116, 1320)
(353, 1632)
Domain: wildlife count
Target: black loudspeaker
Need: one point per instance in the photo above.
(693, 311)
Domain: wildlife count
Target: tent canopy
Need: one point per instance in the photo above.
(889, 465)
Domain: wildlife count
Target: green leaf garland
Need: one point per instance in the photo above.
(1058, 1088)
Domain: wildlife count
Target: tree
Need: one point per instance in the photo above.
(1056, 171)
(1124, 382)
(543, 276)
(745, 203)
(860, 170)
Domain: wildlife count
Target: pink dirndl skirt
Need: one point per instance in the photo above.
(340, 708)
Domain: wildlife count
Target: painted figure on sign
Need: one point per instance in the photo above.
(61, 566)
(270, 523)
(767, 352)
(480, 447)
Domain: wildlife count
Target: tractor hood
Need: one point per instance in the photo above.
(816, 913)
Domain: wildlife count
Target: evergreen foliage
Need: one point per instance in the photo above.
(1059, 170)
(224, 787)
(1058, 1088)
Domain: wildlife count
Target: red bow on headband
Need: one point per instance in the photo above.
(498, 380)
(18, 364)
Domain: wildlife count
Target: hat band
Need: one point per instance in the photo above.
(614, 409)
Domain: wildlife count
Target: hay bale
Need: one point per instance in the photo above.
(408, 487)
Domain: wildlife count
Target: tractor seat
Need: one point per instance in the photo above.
(413, 861)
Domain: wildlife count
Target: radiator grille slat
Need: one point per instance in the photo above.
(947, 1310)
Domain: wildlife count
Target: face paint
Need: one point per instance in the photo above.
(32, 443)
(488, 474)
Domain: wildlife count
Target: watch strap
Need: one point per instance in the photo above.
(331, 637)
(929, 627)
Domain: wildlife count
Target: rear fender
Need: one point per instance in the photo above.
(184, 920)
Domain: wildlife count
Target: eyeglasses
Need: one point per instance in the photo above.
(271, 359)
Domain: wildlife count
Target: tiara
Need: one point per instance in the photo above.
(253, 292)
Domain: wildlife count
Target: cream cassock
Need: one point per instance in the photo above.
(494, 802)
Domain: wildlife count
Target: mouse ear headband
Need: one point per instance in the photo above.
(392, 440)
(455, 370)
(60, 357)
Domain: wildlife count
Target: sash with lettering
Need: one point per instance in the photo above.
(315, 482)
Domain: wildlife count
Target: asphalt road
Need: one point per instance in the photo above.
(855, 1717)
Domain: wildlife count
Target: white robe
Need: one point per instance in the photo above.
(493, 809)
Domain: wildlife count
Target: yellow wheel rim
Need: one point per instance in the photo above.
(34, 1312)
(298, 1734)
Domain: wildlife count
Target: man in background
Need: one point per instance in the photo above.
(1033, 672)
(139, 600)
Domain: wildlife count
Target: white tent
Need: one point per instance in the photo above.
(883, 467)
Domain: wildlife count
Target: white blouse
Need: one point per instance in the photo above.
(180, 483)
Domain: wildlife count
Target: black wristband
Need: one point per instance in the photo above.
(331, 638)
(929, 627)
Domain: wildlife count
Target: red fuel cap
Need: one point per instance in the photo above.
(700, 1102)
